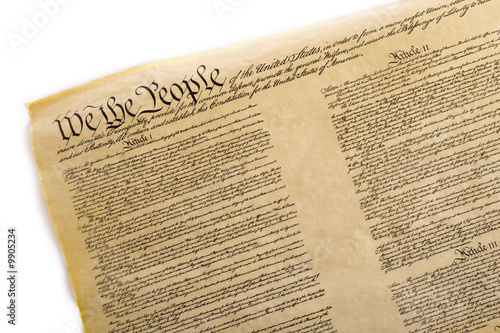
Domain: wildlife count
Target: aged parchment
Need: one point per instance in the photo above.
(340, 178)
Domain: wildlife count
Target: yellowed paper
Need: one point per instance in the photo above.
(339, 178)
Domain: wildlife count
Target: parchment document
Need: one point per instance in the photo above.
(339, 178)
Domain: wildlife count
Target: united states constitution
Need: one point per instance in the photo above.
(339, 178)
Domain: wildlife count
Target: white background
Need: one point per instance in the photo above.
(45, 49)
